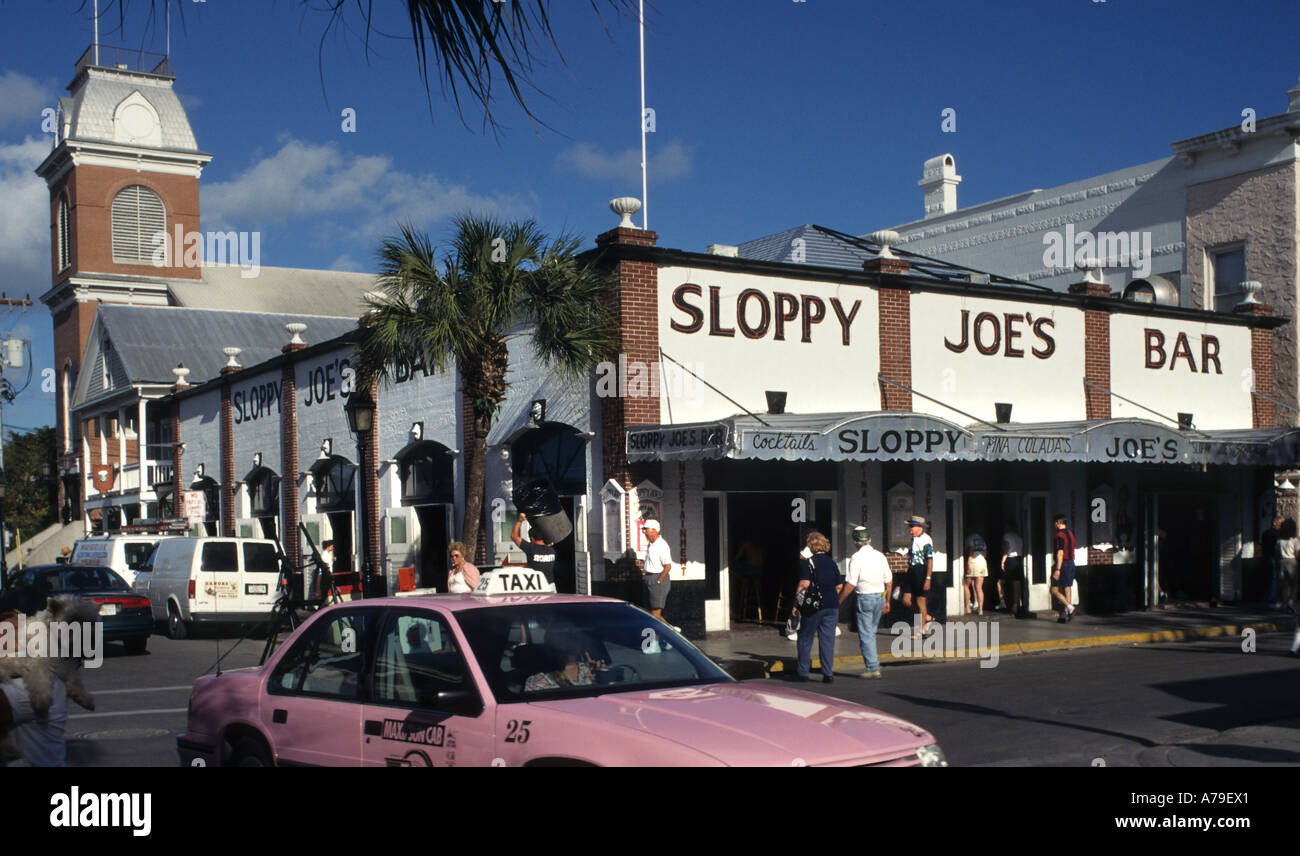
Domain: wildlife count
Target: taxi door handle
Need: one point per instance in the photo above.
(374, 728)
(279, 716)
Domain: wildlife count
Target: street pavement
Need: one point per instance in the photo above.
(1190, 704)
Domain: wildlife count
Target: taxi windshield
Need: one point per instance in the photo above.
(542, 651)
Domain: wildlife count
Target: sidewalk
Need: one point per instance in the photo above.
(753, 651)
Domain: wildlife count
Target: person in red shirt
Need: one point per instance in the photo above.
(1063, 575)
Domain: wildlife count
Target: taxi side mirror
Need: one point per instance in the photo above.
(457, 702)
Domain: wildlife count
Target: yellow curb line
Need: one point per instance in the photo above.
(1012, 648)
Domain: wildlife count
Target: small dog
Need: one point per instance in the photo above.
(38, 673)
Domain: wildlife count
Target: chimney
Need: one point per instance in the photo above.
(1293, 99)
(939, 180)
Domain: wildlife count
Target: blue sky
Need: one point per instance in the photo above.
(769, 114)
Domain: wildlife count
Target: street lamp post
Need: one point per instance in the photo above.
(361, 421)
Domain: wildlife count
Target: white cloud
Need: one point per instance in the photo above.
(363, 195)
(669, 161)
(24, 219)
(22, 100)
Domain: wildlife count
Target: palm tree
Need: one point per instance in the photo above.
(499, 281)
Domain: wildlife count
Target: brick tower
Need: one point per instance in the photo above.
(125, 167)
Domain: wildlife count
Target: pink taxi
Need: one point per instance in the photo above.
(515, 680)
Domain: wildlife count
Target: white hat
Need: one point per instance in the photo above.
(651, 524)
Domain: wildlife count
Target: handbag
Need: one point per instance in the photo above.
(809, 600)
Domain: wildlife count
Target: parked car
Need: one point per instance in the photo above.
(213, 581)
(126, 616)
(505, 676)
(126, 554)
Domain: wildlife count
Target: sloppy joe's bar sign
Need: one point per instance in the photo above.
(875, 438)
(748, 333)
(687, 441)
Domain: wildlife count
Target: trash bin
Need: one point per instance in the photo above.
(546, 516)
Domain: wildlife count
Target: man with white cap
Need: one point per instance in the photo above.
(658, 562)
(870, 575)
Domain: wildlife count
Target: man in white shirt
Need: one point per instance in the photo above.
(870, 575)
(658, 562)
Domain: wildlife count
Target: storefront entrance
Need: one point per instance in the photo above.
(992, 514)
(433, 538)
(1185, 529)
(765, 532)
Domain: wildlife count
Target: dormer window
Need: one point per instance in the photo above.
(138, 215)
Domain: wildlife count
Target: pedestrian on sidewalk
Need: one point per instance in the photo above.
(539, 553)
(820, 584)
(1013, 569)
(1063, 575)
(920, 565)
(870, 576)
(1287, 545)
(977, 571)
(658, 562)
(1268, 552)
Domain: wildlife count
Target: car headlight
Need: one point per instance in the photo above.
(931, 756)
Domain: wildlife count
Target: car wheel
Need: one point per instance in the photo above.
(176, 627)
(249, 752)
(137, 645)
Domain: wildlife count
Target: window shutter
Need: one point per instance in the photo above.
(138, 215)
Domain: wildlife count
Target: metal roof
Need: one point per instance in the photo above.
(817, 248)
(276, 290)
(150, 340)
(90, 108)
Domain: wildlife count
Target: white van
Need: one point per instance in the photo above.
(125, 554)
(212, 580)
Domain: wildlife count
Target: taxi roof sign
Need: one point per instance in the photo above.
(513, 581)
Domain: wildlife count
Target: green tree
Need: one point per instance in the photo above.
(498, 282)
(31, 491)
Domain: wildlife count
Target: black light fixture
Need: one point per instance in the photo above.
(537, 411)
(1184, 421)
(775, 401)
(361, 412)
(1003, 410)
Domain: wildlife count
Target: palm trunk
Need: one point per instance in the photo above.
(476, 478)
(485, 387)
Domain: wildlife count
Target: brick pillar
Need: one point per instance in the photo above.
(289, 513)
(1096, 349)
(1263, 413)
(636, 308)
(895, 345)
(227, 455)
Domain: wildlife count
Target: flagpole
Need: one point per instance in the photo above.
(96, 39)
(645, 202)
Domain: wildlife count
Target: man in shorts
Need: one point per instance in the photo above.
(1013, 570)
(915, 582)
(658, 562)
(1063, 576)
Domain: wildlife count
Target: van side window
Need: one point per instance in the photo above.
(329, 659)
(220, 556)
(260, 559)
